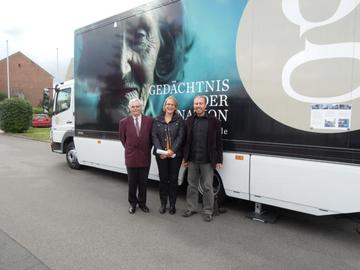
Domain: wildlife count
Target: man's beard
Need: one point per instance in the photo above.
(114, 100)
(122, 110)
(140, 93)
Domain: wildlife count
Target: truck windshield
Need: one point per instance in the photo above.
(63, 100)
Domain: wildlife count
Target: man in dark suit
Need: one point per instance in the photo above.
(135, 135)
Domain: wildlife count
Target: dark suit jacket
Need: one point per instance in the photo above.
(215, 146)
(137, 149)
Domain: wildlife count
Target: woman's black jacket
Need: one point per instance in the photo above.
(175, 129)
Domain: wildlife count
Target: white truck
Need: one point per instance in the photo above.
(282, 76)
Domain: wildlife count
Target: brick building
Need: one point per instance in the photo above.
(27, 79)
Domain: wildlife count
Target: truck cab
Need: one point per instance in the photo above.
(63, 123)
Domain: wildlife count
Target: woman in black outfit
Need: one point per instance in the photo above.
(168, 134)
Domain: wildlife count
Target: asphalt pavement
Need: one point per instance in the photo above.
(52, 217)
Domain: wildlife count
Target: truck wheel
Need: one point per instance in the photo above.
(218, 189)
(71, 157)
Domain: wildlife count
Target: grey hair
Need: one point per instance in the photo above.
(175, 43)
(133, 100)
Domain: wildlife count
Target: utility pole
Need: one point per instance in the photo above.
(7, 68)
(57, 64)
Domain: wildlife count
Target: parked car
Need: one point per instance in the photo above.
(41, 120)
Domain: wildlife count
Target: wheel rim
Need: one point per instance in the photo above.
(72, 157)
(216, 185)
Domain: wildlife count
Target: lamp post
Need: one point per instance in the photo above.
(7, 68)
(57, 64)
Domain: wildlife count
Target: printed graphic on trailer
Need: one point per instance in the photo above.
(331, 116)
(168, 50)
(260, 64)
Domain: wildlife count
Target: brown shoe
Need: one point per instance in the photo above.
(208, 218)
(188, 213)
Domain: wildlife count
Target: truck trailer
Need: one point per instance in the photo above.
(282, 76)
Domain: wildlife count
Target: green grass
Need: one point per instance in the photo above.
(40, 134)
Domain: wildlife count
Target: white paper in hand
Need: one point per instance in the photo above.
(163, 152)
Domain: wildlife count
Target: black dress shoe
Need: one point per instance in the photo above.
(144, 208)
(162, 209)
(132, 209)
(172, 210)
(188, 213)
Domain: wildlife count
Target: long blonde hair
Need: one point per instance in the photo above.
(174, 99)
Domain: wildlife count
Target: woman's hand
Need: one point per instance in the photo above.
(170, 153)
(163, 156)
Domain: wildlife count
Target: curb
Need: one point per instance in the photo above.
(15, 256)
(21, 137)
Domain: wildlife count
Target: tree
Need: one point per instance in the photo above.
(2, 96)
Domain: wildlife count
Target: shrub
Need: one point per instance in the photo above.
(2, 96)
(15, 115)
(37, 110)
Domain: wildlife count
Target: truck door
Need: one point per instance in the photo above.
(63, 118)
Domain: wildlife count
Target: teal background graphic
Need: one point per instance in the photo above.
(213, 25)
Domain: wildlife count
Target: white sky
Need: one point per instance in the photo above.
(38, 28)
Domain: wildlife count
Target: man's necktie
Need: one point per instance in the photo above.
(137, 127)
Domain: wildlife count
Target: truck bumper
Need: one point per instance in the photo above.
(56, 147)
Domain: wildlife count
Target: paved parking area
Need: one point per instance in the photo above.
(14, 256)
(57, 218)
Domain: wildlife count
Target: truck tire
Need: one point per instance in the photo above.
(217, 187)
(71, 157)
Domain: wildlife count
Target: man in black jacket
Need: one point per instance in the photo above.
(203, 153)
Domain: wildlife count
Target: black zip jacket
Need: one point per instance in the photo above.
(215, 146)
(174, 131)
